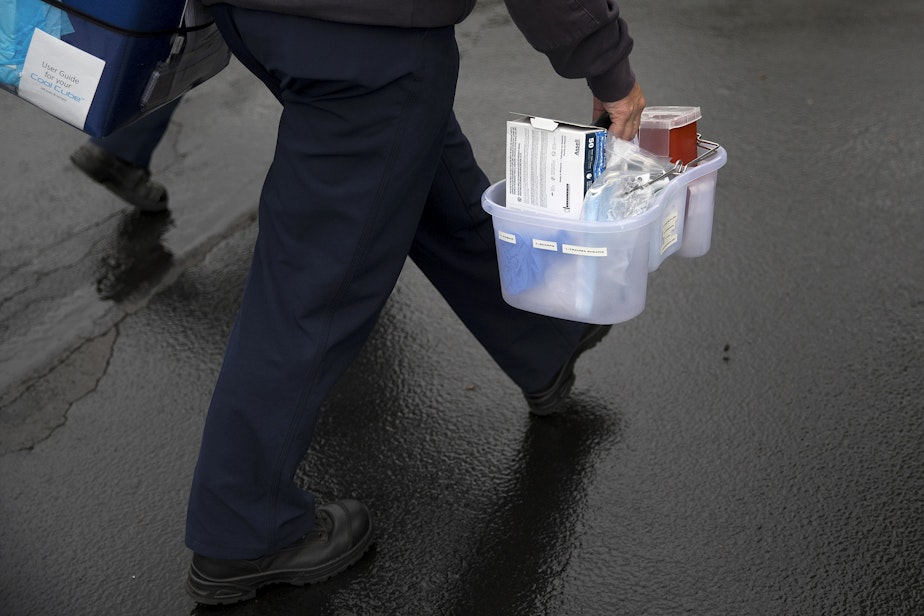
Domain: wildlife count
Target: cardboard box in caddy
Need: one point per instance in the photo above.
(551, 164)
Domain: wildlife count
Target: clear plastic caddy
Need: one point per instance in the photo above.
(597, 272)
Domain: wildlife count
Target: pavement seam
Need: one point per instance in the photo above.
(45, 403)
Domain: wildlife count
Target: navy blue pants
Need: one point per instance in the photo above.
(137, 141)
(370, 167)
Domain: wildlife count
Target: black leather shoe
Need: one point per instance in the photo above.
(130, 182)
(342, 534)
(550, 399)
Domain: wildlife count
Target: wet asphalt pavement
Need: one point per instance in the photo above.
(750, 444)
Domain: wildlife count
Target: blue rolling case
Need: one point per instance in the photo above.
(154, 51)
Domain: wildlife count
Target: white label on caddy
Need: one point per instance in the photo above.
(60, 78)
(510, 238)
(586, 251)
(669, 232)
(545, 245)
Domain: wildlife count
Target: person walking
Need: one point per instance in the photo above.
(121, 161)
(371, 167)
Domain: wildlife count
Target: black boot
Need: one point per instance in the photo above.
(551, 398)
(342, 534)
(130, 182)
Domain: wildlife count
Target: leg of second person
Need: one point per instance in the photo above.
(136, 142)
(121, 161)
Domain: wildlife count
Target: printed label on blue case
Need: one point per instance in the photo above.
(60, 78)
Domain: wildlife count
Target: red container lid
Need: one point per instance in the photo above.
(669, 117)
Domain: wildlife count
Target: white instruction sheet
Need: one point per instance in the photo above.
(60, 78)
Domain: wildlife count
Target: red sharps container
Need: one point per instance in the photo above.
(670, 132)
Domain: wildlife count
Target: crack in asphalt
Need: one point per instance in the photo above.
(42, 407)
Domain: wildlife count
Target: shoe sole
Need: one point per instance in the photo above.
(234, 590)
(145, 207)
(551, 402)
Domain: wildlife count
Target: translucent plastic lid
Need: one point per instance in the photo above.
(669, 117)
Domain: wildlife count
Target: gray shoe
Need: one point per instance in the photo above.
(342, 534)
(130, 182)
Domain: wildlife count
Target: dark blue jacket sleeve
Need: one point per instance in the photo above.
(582, 39)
